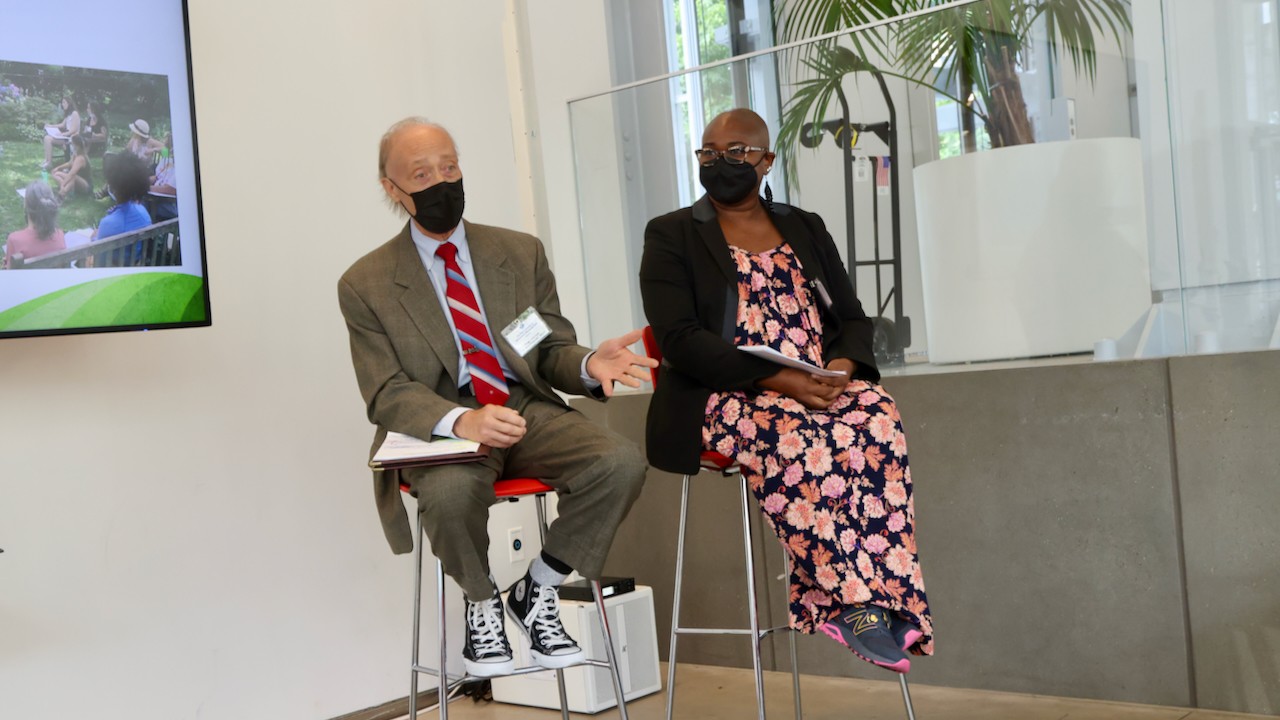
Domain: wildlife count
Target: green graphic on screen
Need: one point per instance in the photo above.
(137, 299)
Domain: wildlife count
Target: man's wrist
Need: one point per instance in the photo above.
(445, 427)
(588, 382)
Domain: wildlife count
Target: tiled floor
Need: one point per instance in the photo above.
(713, 693)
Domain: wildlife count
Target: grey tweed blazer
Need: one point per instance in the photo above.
(405, 359)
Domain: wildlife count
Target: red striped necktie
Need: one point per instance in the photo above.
(477, 347)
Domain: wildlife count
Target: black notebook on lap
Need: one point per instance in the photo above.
(402, 451)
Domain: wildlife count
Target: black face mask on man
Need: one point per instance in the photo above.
(726, 183)
(439, 207)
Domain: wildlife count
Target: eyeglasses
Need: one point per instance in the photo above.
(735, 155)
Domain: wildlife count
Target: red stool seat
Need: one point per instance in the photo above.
(715, 461)
(518, 487)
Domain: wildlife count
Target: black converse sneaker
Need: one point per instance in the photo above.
(536, 610)
(487, 652)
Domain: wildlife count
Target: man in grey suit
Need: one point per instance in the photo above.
(456, 330)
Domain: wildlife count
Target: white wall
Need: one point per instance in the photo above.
(186, 516)
(567, 57)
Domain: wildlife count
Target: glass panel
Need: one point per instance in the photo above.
(1224, 109)
(1011, 198)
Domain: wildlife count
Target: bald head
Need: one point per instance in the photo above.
(740, 124)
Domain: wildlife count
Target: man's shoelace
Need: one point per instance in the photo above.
(546, 618)
(484, 620)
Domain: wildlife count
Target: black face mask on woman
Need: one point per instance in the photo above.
(726, 183)
(439, 207)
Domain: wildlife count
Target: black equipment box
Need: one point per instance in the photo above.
(580, 590)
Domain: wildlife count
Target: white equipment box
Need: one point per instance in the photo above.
(589, 689)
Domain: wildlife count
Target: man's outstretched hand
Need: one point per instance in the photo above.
(614, 362)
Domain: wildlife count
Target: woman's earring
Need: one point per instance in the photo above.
(768, 197)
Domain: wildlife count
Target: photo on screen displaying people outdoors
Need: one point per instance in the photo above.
(99, 205)
(101, 145)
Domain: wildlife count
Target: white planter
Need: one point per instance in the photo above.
(1032, 250)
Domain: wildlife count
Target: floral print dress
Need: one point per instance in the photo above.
(834, 484)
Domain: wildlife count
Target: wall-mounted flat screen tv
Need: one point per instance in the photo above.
(100, 216)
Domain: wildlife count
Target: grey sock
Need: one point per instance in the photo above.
(543, 574)
(488, 596)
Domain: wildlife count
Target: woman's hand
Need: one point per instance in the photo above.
(844, 365)
(809, 390)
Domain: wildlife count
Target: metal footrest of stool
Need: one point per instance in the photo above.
(755, 632)
(449, 681)
(732, 631)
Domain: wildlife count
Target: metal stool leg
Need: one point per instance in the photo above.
(564, 696)
(675, 606)
(751, 599)
(540, 503)
(906, 697)
(417, 616)
(795, 673)
(614, 672)
(442, 695)
(442, 675)
(791, 638)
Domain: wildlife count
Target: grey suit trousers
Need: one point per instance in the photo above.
(597, 475)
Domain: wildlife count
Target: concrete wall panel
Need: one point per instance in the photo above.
(1228, 465)
(1046, 530)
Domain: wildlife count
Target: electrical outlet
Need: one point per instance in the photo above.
(515, 544)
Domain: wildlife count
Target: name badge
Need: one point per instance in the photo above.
(822, 293)
(526, 331)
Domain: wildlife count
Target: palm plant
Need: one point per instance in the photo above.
(975, 45)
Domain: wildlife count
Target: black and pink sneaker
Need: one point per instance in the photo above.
(905, 632)
(865, 630)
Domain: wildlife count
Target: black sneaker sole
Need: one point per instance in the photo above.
(489, 669)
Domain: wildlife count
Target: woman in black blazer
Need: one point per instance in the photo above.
(825, 456)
